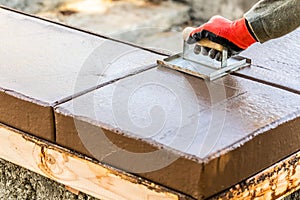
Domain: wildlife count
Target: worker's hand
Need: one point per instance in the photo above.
(235, 35)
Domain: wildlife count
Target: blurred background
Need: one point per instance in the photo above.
(151, 23)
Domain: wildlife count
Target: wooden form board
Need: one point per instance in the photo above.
(275, 182)
(105, 182)
(77, 172)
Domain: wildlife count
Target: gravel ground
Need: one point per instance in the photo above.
(17, 183)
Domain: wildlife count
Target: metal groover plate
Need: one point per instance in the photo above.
(204, 70)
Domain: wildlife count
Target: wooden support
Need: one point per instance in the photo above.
(106, 183)
(75, 171)
(275, 182)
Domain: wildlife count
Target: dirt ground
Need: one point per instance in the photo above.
(17, 183)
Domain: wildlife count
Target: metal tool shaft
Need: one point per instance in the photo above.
(224, 57)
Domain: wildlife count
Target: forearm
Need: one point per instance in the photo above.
(270, 19)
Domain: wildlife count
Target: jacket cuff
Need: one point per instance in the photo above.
(257, 27)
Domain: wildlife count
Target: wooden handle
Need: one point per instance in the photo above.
(204, 42)
(207, 43)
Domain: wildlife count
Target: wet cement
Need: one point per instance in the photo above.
(276, 62)
(43, 64)
(218, 133)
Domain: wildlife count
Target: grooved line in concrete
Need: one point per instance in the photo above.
(266, 82)
(132, 73)
(54, 124)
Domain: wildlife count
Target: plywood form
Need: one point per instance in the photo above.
(43, 63)
(218, 133)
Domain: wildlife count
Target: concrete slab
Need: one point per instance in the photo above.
(193, 136)
(276, 62)
(43, 63)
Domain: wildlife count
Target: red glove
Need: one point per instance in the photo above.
(235, 35)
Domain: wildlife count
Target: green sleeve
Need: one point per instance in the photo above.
(270, 19)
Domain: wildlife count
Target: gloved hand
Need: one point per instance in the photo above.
(235, 35)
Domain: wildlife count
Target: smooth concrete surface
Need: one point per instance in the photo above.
(276, 62)
(43, 64)
(218, 133)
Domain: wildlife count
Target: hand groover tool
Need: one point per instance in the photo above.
(203, 66)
